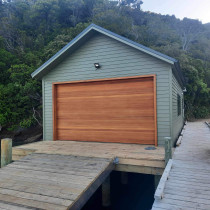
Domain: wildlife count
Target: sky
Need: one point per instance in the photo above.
(194, 9)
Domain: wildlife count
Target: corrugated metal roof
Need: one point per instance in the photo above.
(92, 27)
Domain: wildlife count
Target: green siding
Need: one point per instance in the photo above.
(177, 121)
(117, 60)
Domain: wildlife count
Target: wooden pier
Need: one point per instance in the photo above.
(188, 184)
(43, 181)
(65, 174)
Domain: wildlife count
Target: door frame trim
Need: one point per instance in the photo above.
(54, 96)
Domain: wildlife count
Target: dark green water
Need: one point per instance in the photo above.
(136, 195)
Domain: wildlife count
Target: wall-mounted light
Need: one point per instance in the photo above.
(185, 90)
(97, 65)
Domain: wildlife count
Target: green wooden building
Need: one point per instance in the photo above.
(104, 87)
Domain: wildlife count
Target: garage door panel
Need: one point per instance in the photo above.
(119, 110)
(106, 114)
(147, 96)
(103, 108)
(106, 124)
(106, 128)
(138, 137)
(115, 102)
(104, 89)
(118, 114)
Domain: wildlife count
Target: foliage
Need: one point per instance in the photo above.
(32, 31)
(198, 95)
(19, 98)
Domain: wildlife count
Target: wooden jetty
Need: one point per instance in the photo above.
(132, 157)
(43, 181)
(65, 174)
(187, 181)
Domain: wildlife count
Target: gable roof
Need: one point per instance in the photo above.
(88, 32)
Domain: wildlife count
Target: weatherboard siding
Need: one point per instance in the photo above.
(177, 121)
(117, 60)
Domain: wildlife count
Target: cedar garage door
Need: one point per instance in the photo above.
(110, 110)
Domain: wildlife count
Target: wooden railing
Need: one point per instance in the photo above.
(160, 188)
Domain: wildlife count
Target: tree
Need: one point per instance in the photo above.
(113, 20)
(61, 40)
(20, 99)
(197, 96)
(135, 4)
(189, 30)
(6, 60)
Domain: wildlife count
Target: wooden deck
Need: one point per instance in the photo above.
(46, 181)
(65, 174)
(132, 157)
(188, 184)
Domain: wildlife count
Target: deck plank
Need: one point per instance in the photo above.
(7, 206)
(29, 202)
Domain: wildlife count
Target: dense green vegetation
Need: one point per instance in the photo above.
(31, 31)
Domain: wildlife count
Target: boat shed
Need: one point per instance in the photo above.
(103, 87)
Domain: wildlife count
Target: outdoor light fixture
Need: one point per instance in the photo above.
(97, 65)
(185, 90)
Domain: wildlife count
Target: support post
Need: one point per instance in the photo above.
(168, 149)
(106, 198)
(124, 178)
(6, 152)
(156, 180)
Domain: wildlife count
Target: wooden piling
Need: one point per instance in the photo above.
(6, 151)
(106, 198)
(156, 180)
(168, 149)
(124, 178)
